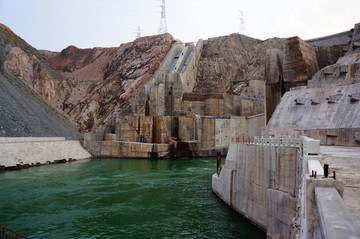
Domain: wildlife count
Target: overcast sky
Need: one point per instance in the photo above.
(56, 24)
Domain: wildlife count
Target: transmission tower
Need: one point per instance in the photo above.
(162, 25)
(138, 33)
(242, 23)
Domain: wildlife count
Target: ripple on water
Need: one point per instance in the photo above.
(112, 198)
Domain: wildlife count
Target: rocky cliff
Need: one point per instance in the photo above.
(89, 85)
(102, 79)
(22, 111)
(228, 63)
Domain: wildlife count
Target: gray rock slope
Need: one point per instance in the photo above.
(24, 114)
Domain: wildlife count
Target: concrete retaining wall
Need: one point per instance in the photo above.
(261, 183)
(322, 113)
(341, 38)
(132, 149)
(188, 71)
(39, 151)
(29, 139)
(266, 180)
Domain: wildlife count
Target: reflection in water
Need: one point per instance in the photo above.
(119, 198)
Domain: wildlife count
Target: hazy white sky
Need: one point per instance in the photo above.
(56, 24)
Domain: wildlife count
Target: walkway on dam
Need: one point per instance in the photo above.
(346, 162)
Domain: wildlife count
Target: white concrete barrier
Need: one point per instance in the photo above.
(4, 140)
(33, 152)
(335, 219)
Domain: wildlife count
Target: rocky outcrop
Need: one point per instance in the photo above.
(22, 111)
(228, 63)
(302, 61)
(102, 79)
(345, 71)
(327, 106)
(89, 85)
(293, 67)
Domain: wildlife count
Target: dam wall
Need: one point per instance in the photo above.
(261, 182)
(189, 69)
(171, 136)
(341, 38)
(275, 183)
(331, 114)
(28, 151)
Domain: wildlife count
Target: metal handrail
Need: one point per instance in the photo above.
(6, 233)
(294, 142)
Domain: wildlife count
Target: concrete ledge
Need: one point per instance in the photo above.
(5, 140)
(222, 185)
(314, 165)
(34, 153)
(335, 219)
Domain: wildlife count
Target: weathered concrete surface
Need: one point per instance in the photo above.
(141, 128)
(346, 162)
(311, 224)
(189, 70)
(346, 70)
(261, 182)
(40, 151)
(273, 80)
(341, 38)
(329, 110)
(266, 180)
(132, 149)
(335, 219)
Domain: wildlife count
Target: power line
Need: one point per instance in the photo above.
(162, 25)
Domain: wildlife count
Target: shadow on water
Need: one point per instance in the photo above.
(119, 198)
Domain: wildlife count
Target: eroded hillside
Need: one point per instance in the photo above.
(87, 84)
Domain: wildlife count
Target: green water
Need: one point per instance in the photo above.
(118, 198)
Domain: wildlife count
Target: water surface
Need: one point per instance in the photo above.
(119, 198)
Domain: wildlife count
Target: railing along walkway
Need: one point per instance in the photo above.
(6, 233)
(293, 142)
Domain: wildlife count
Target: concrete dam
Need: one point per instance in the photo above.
(168, 120)
(276, 131)
(300, 178)
(280, 185)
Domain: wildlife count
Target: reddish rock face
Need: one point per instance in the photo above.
(228, 63)
(104, 78)
(87, 84)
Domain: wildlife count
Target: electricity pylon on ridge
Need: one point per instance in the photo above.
(138, 33)
(242, 23)
(162, 26)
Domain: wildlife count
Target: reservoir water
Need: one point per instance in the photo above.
(119, 198)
